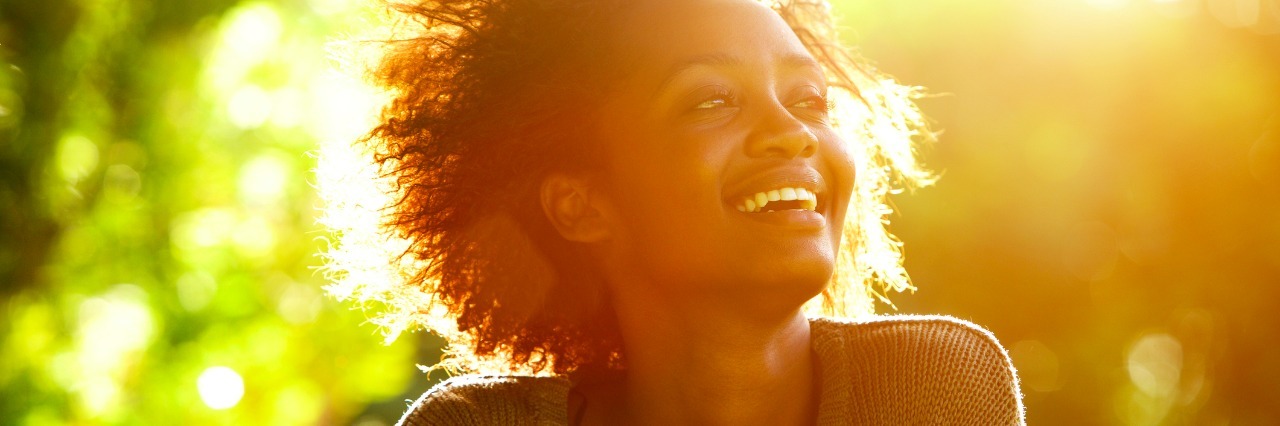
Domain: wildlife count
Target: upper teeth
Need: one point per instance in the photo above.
(756, 202)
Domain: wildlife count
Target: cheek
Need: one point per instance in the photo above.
(841, 173)
(670, 191)
(670, 202)
(670, 171)
(839, 152)
(840, 170)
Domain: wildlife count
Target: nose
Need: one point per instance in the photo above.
(779, 134)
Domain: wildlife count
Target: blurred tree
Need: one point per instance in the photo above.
(159, 240)
(32, 37)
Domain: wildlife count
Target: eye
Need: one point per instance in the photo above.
(718, 97)
(811, 104)
(712, 103)
(816, 103)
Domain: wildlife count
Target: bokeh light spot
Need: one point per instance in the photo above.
(203, 228)
(1155, 364)
(113, 328)
(249, 107)
(196, 290)
(220, 387)
(1038, 366)
(264, 179)
(252, 32)
(122, 182)
(255, 238)
(76, 157)
(289, 107)
(300, 304)
(10, 108)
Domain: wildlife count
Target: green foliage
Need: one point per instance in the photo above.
(158, 220)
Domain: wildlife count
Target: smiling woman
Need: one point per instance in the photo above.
(637, 197)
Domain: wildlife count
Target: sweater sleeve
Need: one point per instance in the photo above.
(976, 382)
(931, 370)
(488, 400)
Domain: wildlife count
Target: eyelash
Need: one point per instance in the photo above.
(720, 95)
(821, 103)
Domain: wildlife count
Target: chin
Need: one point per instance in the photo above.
(789, 284)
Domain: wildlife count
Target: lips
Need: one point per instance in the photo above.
(797, 191)
(786, 198)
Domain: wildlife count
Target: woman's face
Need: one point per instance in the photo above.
(723, 170)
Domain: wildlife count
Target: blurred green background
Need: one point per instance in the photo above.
(1110, 207)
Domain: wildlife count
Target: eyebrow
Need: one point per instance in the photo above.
(723, 60)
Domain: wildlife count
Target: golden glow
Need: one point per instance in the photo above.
(1112, 171)
(882, 129)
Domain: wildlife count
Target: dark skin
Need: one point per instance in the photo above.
(722, 102)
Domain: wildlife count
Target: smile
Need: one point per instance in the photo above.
(787, 198)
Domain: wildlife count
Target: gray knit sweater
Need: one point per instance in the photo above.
(891, 370)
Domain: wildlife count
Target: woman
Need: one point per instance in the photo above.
(638, 197)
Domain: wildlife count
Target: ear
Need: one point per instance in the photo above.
(577, 211)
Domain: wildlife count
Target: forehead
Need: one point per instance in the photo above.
(657, 34)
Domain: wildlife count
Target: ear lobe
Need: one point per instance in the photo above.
(574, 209)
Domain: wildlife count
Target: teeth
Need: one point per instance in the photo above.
(756, 202)
(760, 198)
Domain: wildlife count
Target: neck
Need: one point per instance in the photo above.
(699, 365)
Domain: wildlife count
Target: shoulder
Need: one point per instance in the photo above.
(936, 366)
(915, 333)
(490, 400)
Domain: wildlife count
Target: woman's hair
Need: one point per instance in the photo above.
(444, 230)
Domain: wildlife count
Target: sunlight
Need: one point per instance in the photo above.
(1235, 13)
(113, 328)
(203, 228)
(249, 36)
(344, 107)
(255, 237)
(264, 180)
(220, 387)
(249, 107)
(1155, 364)
(77, 156)
(1108, 4)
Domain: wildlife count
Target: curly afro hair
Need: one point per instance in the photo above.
(487, 97)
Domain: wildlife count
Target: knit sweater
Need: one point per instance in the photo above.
(888, 370)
